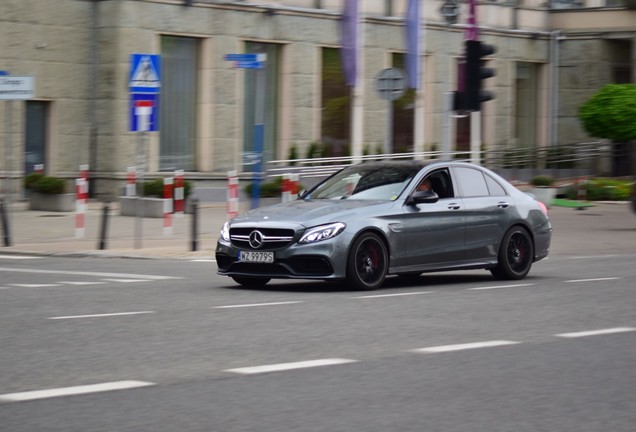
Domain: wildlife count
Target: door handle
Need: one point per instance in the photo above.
(502, 204)
(453, 206)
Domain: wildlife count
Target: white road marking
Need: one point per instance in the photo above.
(392, 295)
(289, 366)
(203, 260)
(94, 274)
(34, 285)
(256, 305)
(500, 286)
(465, 346)
(592, 280)
(593, 256)
(126, 280)
(101, 315)
(19, 257)
(81, 283)
(596, 332)
(71, 391)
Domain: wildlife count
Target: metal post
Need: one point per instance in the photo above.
(475, 136)
(4, 214)
(195, 223)
(388, 143)
(259, 130)
(104, 230)
(140, 190)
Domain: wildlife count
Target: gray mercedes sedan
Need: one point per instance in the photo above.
(375, 219)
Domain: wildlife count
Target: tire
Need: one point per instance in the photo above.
(251, 282)
(368, 262)
(516, 255)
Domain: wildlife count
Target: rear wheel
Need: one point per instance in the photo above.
(251, 282)
(368, 262)
(516, 255)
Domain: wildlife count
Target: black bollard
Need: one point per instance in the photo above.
(104, 231)
(4, 214)
(194, 203)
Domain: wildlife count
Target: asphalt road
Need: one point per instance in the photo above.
(181, 348)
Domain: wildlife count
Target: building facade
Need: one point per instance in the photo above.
(550, 58)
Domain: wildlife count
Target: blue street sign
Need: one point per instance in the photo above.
(248, 57)
(144, 112)
(145, 73)
(249, 64)
(4, 73)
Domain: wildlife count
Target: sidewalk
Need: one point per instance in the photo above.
(53, 233)
(604, 228)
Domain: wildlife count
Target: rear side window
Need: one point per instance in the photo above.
(494, 187)
(471, 182)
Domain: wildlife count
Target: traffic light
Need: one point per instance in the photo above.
(475, 73)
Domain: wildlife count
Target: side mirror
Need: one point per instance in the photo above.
(422, 197)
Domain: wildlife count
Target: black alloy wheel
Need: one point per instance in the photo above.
(368, 262)
(516, 255)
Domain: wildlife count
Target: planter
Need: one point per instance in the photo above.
(544, 194)
(52, 202)
(150, 207)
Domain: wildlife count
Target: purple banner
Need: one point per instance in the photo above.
(349, 25)
(413, 38)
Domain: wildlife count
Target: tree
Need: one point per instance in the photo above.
(610, 113)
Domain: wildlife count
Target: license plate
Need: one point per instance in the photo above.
(256, 257)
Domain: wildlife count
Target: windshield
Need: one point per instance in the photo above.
(366, 182)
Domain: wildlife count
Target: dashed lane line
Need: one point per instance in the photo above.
(596, 332)
(592, 280)
(73, 391)
(465, 346)
(101, 315)
(81, 283)
(19, 257)
(392, 295)
(255, 305)
(290, 366)
(34, 285)
(94, 274)
(499, 287)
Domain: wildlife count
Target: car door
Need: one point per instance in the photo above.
(435, 231)
(487, 209)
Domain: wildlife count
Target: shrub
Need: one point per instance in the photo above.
(154, 188)
(542, 181)
(49, 185)
(31, 179)
(602, 189)
(271, 189)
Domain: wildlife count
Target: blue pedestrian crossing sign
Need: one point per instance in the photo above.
(145, 73)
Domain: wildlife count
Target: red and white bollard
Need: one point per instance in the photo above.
(131, 182)
(179, 193)
(38, 168)
(168, 186)
(81, 195)
(232, 195)
(83, 169)
(290, 187)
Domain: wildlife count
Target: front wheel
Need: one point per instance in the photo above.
(251, 282)
(368, 262)
(516, 255)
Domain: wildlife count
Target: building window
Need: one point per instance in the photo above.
(526, 100)
(269, 98)
(178, 103)
(336, 106)
(36, 132)
(403, 114)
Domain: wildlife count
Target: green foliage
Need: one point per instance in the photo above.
(154, 188)
(270, 189)
(610, 113)
(603, 189)
(542, 181)
(31, 179)
(48, 185)
(293, 154)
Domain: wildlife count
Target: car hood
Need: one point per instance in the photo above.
(309, 213)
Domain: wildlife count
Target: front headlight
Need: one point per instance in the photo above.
(322, 232)
(225, 232)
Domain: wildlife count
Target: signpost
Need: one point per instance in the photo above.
(391, 85)
(144, 86)
(257, 62)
